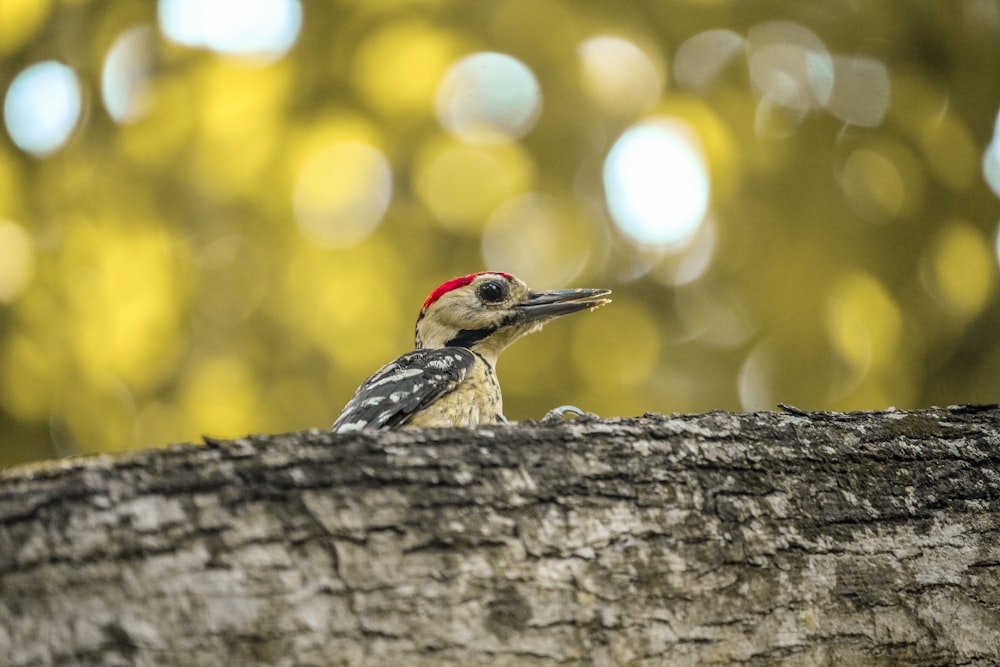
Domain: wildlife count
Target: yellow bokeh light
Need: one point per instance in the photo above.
(337, 126)
(17, 260)
(19, 21)
(238, 109)
(461, 185)
(219, 395)
(873, 184)
(398, 68)
(620, 76)
(124, 286)
(962, 269)
(864, 322)
(950, 151)
(606, 358)
(342, 193)
(348, 304)
(543, 240)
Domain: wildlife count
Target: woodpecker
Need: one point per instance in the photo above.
(450, 378)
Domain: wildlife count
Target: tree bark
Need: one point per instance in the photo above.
(767, 538)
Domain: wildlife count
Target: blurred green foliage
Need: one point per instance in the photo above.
(205, 263)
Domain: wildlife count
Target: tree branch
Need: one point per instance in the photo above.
(811, 538)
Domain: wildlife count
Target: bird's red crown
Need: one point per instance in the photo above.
(460, 281)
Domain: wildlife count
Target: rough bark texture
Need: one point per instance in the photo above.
(766, 538)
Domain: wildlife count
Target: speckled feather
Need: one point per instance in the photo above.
(404, 387)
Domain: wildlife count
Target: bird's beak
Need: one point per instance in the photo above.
(557, 302)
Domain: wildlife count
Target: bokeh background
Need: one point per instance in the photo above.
(219, 216)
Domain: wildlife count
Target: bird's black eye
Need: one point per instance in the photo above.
(493, 291)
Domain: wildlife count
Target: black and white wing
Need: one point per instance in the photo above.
(403, 387)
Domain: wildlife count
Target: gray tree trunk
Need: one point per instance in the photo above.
(766, 538)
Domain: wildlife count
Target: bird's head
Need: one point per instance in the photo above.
(488, 311)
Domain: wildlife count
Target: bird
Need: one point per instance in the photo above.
(449, 379)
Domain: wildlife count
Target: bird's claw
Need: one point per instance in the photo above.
(563, 412)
